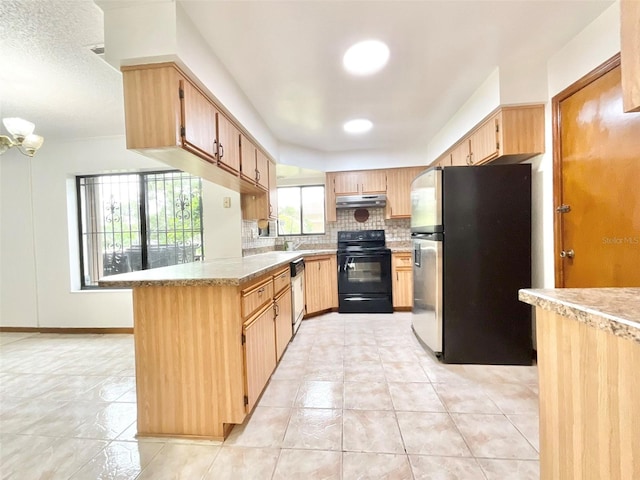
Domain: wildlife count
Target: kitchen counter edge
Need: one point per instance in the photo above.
(614, 310)
(219, 272)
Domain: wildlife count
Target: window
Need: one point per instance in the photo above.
(131, 222)
(301, 210)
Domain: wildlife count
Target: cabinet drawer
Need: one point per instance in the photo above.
(281, 280)
(403, 259)
(256, 296)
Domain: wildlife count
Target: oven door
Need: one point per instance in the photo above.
(364, 273)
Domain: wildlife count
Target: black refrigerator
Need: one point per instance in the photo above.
(471, 232)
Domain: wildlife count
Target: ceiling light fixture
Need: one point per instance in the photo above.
(359, 125)
(23, 137)
(365, 58)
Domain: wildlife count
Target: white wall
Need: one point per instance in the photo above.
(39, 249)
(138, 33)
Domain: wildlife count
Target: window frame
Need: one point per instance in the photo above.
(324, 211)
(144, 221)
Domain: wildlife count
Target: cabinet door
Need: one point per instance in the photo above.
(199, 122)
(399, 191)
(460, 155)
(484, 142)
(283, 321)
(262, 170)
(247, 159)
(228, 144)
(332, 280)
(330, 197)
(321, 284)
(259, 353)
(402, 280)
(373, 181)
(273, 191)
(347, 183)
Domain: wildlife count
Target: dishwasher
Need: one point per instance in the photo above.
(297, 293)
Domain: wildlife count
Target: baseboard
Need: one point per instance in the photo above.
(402, 309)
(67, 330)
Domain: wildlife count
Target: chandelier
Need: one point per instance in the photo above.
(23, 137)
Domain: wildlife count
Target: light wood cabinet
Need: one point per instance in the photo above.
(283, 321)
(259, 353)
(330, 197)
(630, 54)
(509, 134)
(360, 182)
(228, 144)
(399, 191)
(256, 297)
(170, 118)
(262, 170)
(273, 191)
(248, 154)
(199, 117)
(321, 284)
(402, 265)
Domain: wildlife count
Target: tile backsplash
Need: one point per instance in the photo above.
(397, 230)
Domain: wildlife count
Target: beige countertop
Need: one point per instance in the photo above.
(615, 310)
(224, 271)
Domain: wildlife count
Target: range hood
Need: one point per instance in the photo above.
(361, 201)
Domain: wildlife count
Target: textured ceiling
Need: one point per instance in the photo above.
(286, 57)
(50, 77)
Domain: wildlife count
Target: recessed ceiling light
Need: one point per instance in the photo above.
(359, 125)
(365, 58)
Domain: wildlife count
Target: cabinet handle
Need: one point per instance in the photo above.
(276, 307)
(215, 148)
(261, 290)
(467, 160)
(397, 278)
(221, 150)
(471, 158)
(257, 175)
(283, 275)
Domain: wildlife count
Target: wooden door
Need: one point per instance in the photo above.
(597, 172)
(284, 325)
(228, 144)
(399, 191)
(460, 154)
(259, 353)
(373, 181)
(247, 159)
(484, 142)
(199, 121)
(347, 183)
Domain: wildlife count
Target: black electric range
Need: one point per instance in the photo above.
(364, 272)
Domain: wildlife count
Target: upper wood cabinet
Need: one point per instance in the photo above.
(360, 182)
(630, 54)
(509, 134)
(228, 144)
(273, 191)
(399, 191)
(199, 121)
(170, 118)
(262, 170)
(248, 154)
(330, 197)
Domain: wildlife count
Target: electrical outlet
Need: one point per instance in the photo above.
(226, 202)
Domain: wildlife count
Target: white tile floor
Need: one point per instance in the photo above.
(354, 397)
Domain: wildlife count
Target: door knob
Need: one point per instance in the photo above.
(567, 253)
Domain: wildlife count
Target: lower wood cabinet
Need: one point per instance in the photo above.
(283, 321)
(259, 353)
(402, 265)
(321, 284)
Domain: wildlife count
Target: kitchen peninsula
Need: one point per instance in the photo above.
(588, 362)
(207, 337)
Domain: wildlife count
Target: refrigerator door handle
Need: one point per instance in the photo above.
(416, 255)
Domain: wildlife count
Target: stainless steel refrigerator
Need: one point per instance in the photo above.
(471, 232)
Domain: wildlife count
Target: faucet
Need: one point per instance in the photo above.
(291, 245)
